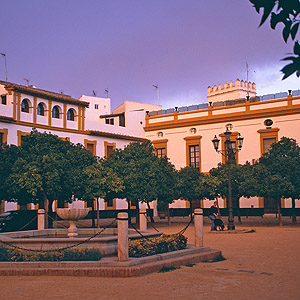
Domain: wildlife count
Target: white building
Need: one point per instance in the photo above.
(79, 120)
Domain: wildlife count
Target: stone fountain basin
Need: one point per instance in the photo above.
(57, 238)
(72, 213)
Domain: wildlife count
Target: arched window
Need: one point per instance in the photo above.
(55, 112)
(25, 105)
(70, 114)
(41, 109)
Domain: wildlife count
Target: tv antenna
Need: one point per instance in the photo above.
(157, 90)
(106, 93)
(27, 80)
(4, 55)
(94, 93)
(247, 75)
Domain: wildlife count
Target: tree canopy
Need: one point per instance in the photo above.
(287, 13)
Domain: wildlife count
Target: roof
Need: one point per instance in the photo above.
(111, 115)
(30, 90)
(115, 135)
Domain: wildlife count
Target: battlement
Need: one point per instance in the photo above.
(232, 91)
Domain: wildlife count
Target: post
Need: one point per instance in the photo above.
(122, 236)
(198, 225)
(231, 225)
(143, 219)
(41, 219)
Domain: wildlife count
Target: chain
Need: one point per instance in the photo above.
(149, 221)
(182, 231)
(28, 223)
(60, 249)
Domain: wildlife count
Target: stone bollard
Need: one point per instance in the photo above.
(41, 219)
(198, 225)
(143, 219)
(122, 236)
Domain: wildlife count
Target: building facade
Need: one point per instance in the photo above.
(186, 136)
(78, 120)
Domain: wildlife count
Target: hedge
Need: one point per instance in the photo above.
(165, 243)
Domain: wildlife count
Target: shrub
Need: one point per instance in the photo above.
(165, 243)
(80, 254)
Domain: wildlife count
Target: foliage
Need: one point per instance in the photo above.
(237, 177)
(140, 171)
(80, 254)
(167, 183)
(287, 13)
(165, 243)
(8, 154)
(189, 179)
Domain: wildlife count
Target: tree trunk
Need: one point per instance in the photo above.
(137, 213)
(294, 218)
(44, 204)
(151, 216)
(93, 215)
(50, 213)
(129, 213)
(168, 214)
(238, 210)
(98, 215)
(279, 212)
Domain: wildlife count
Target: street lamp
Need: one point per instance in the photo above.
(229, 153)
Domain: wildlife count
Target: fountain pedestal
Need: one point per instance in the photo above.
(72, 215)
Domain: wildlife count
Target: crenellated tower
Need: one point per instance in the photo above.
(232, 91)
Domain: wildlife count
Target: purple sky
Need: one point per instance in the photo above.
(184, 46)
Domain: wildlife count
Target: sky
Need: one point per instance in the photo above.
(127, 46)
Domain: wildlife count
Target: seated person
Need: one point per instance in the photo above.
(213, 214)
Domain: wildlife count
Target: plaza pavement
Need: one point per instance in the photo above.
(261, 265)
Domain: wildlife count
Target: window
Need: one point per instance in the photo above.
(108, 148)
(110, 121)
(161, 152)
(90, 146)
(193, 146)
(3, 99)
(122, 120)
(55, 112)
(96, 106)
(70, 115)
(160, 147)
(25, 106)
(232, 145)
(41, 109)
(267, 143)
(267, 138)
(1, 137)
(194, 159)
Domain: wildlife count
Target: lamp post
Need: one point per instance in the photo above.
(229, 153)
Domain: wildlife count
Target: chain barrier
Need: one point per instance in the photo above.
(143, 236)
(149, 221)
(182, 231)
(24, 226)
(60, 249)
(64, 226)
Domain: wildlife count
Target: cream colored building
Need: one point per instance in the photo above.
(186, 136)
(78, 120)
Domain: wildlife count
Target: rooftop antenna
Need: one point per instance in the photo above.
(94, 93)
(4, 55)
(247, 72)
(157, 89)
(27, 80)
(106, 93)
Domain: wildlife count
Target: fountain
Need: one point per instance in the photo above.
(72, 215)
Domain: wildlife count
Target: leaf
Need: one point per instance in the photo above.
(286, 31)
(268, 7)
(289, 69)
(294, 30)
(297, 48)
